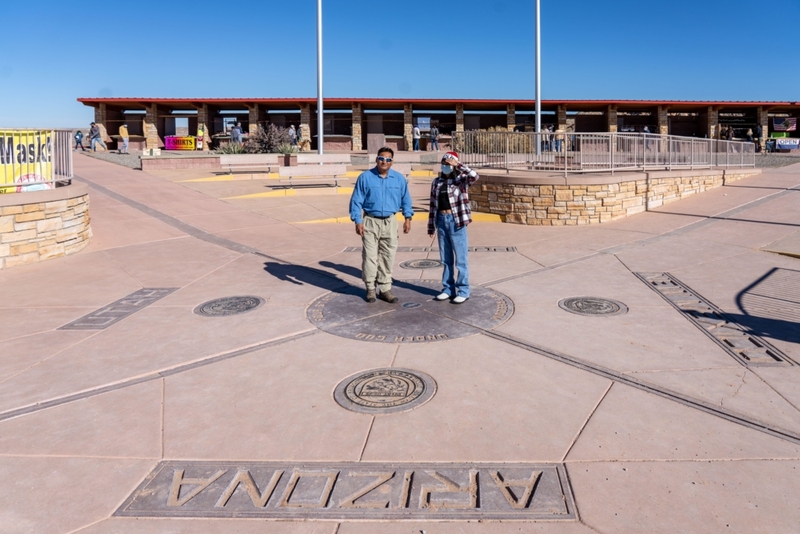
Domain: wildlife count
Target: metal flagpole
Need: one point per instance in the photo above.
(538, 85)
(320, 109)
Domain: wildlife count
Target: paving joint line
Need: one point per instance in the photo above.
(66, 399)
(586, 422)
(604, 372)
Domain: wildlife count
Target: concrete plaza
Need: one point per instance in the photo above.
(650, 421)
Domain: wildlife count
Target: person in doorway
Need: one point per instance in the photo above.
(415, 133)
(95, 137)
(378, 195)
(759, 133)
(749, 135)
(434, 138)
(292, 135)
(79, 141)
(236, 134)
(449, 214)
(123, 133)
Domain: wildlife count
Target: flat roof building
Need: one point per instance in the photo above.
(348, 121)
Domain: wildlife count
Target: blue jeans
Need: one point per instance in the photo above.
(416, 144)
(98, 140)
(435, 144)
(453, 253)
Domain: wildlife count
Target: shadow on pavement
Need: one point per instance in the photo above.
(356, 273)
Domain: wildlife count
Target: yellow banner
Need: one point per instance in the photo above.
(26, 157)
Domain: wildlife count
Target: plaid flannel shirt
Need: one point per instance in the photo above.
(457, 191)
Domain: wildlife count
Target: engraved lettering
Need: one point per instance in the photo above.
(360, 336)
(449, 487)
(430, 338)
(398, 338)
(350, 500)
(370, 336)
(178, 481)
(405, 492)
(505, 488)
(297, 474)
(380, 338)
(441, 336)
(244, 477)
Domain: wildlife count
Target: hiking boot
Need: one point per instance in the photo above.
(370, 295)
(388, 296)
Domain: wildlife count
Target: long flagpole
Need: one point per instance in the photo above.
(320, 109)
(538, 81)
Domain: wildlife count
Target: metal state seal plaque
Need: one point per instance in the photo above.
(382, 391)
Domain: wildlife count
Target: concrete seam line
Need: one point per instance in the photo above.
(586, 422)
(656, 390)
(66, 399)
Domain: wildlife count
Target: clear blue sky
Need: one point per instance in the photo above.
(57, 51)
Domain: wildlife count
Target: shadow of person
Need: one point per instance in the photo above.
(302, 275)
(356, 273)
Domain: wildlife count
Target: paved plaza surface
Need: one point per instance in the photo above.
(636, 376)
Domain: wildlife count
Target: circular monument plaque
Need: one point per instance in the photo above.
(421, 264)
(228, 306)
(416, 318)
(382, 391)
(593, 306)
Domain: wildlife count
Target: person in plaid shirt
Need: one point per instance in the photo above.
(450, 214)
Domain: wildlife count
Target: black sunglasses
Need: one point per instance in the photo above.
(385, 159)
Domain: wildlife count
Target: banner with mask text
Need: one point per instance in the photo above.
(26, 157)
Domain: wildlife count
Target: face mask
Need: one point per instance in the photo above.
(447, 169)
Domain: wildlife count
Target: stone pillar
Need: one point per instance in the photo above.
(408, 126)
(203, 119)
(713, 123)
(305, 124)
(561, 118)
(762, 116)
(252, 126)
(150, 127)
(511, 117)
(459, 117)
(356, 126)
(611, 118)
(100, 116)
(662, 114)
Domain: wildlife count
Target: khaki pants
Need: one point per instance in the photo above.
(379, 244)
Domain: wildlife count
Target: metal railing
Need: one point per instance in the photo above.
(598, 152)
(32, 160)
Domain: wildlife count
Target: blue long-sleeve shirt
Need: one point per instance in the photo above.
(380, 197)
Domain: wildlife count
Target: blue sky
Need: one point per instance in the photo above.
(57, 51)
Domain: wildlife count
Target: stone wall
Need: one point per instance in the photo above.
(40, 225)
(591, 200)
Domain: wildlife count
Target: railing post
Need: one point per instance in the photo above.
(507, 134)
(611, 151)
(691, 161)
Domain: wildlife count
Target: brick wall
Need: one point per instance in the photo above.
(573, 204)
(40, 225)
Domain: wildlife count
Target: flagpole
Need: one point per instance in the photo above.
(538, 82)
(320, 109)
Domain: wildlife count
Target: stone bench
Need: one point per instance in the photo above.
(312, 174)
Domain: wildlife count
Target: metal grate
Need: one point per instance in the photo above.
(746, 347)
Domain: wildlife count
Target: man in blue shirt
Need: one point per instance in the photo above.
(378, 195)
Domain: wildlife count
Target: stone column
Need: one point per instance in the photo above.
(561, 118)
(713, 123)
(252, 126)
(305, 123)
(100, 116)
(662, 114)
(408, 126)
(762, 116)
(202, 126)
(459, 117)
(511, 117)
(356, 126)
(150, 128)
(611, 118)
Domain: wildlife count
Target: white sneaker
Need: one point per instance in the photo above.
(442, 296)
(460, 300)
